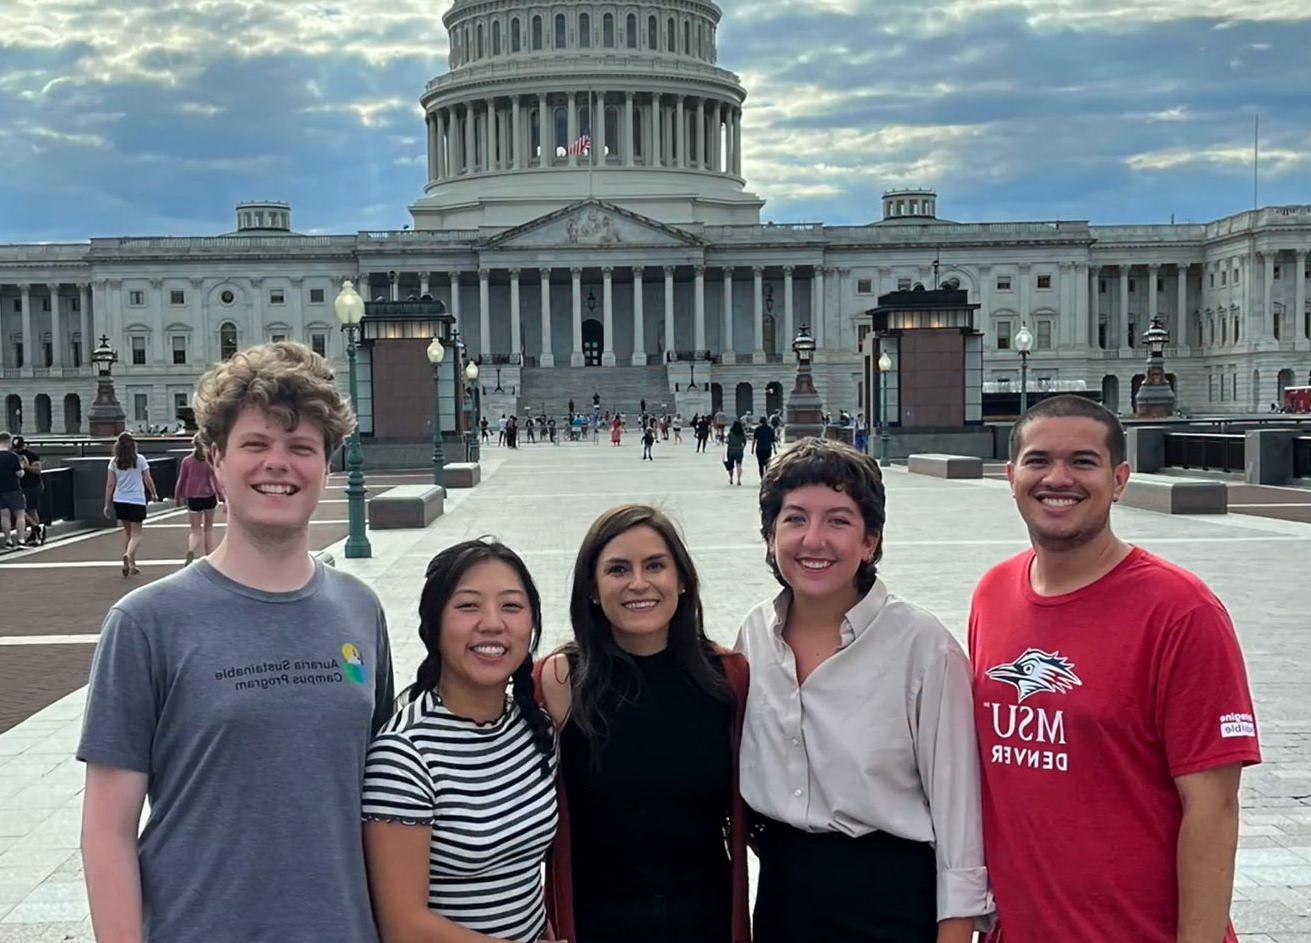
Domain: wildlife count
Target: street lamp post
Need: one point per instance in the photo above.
(1024, 344)
(350, 311)
(471, 375)
(436, 354)
(885, 367)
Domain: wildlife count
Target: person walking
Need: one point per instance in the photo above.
(198, 488)
(551, 431)
(127, 487)
(735, 446)
(765, 443)
(1137, 716)
(616, 431)
(33, 489)
(648, 440)
(860, 433)
(12, 507)
(678, 428)
(529, 430)
(501, 424)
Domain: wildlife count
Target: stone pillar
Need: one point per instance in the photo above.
(1299, 326)
(443, 139)
(424, 288)
(29, 339)
(489, 136)
(669, 307)
(470, 161)
(572, 103)
(56, 331)
(429, 124)
(598, 145)
(1093, 311)
(1026, 297)
(455, 299)
(758, 315)
(653, 142)
(1122, 326)
(729, 354)
(543, 138)
(1180, 332)
(484, 313)
(628, 130)
(88, 332)
(680, 128)
(516, 346)
(817, 306)
(547, 358)
(639, 324)
(728, 139)
(737, 141)
(701, 148)
(1152, 304)
(393, 286)
(1265, 308)
(608, 316)
(789, 328)
(517, 135)
(575, 280)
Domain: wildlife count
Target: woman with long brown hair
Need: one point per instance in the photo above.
(126, 487)
(198, 488)
(652, 839)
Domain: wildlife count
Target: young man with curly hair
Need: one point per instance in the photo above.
(240, 695)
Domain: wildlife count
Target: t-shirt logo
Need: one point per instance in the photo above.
(1036, 671)
(352, 663)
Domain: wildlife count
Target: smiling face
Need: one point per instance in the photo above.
(486, 628)
(819, 541)
(272, 476)
(637, 586)
(1064, 482)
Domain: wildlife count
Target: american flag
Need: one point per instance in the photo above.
(582, 146)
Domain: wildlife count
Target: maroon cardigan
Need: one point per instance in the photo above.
(559, 862)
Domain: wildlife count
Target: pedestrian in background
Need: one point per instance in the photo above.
(678, 428)
(127, 485)
(763, 438)
(12, 507)
(735, 447)
(33, 489)
(616, 431)
(198, 488)
(648, 440)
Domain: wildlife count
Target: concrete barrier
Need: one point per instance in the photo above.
(940, 465)
(406, 506)
(462, 474)
(1170, 495)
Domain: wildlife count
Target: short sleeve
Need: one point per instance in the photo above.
(1203, 704)
(118, 728)
(397, 784)
(143, 464)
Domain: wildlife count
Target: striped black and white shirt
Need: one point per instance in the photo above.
(481, 788)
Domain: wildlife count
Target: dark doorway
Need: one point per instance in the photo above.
(716, 398)
(42, 414)
(593, 339)
(743, 400)
(72, 413)
(13, 414)
(773, 398)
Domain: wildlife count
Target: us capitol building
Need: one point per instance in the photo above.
(586, 221)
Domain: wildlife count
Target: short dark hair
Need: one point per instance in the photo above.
(840, 467)
(1069, 406)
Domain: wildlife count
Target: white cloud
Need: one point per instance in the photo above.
(200, 109)
(72, 139)
(372, 113)
(1274, 161)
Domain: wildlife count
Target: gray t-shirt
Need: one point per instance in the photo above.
(251, 713)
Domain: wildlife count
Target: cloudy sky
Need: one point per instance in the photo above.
(155, 116)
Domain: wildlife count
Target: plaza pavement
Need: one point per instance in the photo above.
(941, 536)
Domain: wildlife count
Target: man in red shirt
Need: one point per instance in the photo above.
(1112, 709)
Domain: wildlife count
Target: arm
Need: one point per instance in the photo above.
(1208, 840)
(397, 857)
(183, 479)
(110, 479)
(111, 811)
(556, 689)
(150, 485)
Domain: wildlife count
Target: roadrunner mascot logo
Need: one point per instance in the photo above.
(1036, 671)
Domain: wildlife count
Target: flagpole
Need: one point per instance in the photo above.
(1256, 160)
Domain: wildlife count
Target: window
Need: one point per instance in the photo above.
(136, 298)
(277, 338)
(227, 297)
(1003, 335)
(630, 36)
(141, 407)
(1131, 332)
(227, 340)
(652, 33)
(496, 37)
(179, 402)
(1211, 278)
(608, 31)
(537, 32)
(277, 296)
(1277, 273)
(48, 350)
(1235, 341)
(45, 304)
(1224, 277)
(1133, 286)
(1276, 326)
(18, 350)
(316, 296)
(687, 38)
(1101, 286)
(669, 35)
(1044, 339)
(1238, 275)
(903, 284)
(75, 303)
(319, 343)
(1160, 284)
(138, 350)
(515, 38)
(176, 297)
(77, 350)
(864, 286)
(1210, 388)
(584, 31)
(1003, 283)
(1044, 282)
(560, 32)
(179, 348)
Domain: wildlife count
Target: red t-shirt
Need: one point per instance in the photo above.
(1087, 706)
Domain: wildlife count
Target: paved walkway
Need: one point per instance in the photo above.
(941, 537)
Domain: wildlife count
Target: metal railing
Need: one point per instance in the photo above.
(57, 498)
(1207, 451)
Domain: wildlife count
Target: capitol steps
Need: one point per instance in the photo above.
(621, 389)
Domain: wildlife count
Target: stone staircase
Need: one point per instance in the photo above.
(621, 389)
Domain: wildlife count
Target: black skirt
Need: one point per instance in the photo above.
(826, 886)
(202, 504)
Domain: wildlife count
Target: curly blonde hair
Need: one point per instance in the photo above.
(284, 379)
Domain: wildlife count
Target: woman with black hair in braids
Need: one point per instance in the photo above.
(459, 793)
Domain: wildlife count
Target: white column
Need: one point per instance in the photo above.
(1026, 296)
(575, 280)
(430, 126)
(467, 124)
(817, 305)
(680, 126)
(393, 286)
(517, 135)
(516, 347)
(758, 315)
(29, 339)
(639, 324)
(737, 141)
(598, 146)
(424, 287)
(788, 330)
(543, 138)
(455, 300)
(1265, 309)
(1093, 312)
(1152, 303)
(1122, 327)
(669, 307)
(653, 141)
(698, 305)
(484, 313)
(56, 329)
(628, 130)
(443, 143)
(728, 139)
(88, 332)
(1298, 327)
(608, 316)
(571, 101)
(547, 358)
(729, 353)
(701, 133)
(1079, 306)
(1181, 319)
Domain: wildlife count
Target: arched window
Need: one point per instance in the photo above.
(537, 32)
(480, 40)
(227, 340)
(559, 31)
(652, 33)
(560, 118)
(464, 50)
(631, 31)
(608, 31)
(670, 35)
(584, 31)
(515, 39)
(496, 37)
(639, 122)
(611, 131)
(687, 38)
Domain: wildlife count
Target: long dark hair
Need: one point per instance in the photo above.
(594, 655)
(440, 581)
(125, 451)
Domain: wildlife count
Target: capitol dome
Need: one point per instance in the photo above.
(635, 111)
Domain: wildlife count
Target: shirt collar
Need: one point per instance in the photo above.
(858, 618)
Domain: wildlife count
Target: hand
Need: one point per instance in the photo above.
(109, 511)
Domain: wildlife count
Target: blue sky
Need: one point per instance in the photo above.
(150, 117)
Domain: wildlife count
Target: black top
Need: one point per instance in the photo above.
(648, 849)
(10, 465)
(764, 437)
(33, 477)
